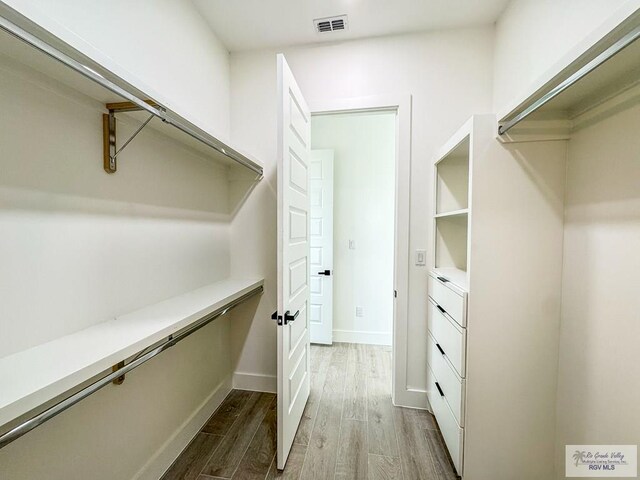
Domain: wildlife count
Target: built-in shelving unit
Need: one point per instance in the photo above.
(34, 377)
(493, 299)
(448, 287)
(27, 47)
(451, 219)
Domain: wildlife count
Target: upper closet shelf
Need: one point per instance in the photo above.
(36, 376)
(606, 65)
(26, 46)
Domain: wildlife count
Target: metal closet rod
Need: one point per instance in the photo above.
(68, 402)
(96, 77)
(614, 49)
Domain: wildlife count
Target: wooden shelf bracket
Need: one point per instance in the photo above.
(110, 150)
(115, 368)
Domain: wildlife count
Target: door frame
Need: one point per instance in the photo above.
(326, 340)
(402, 394)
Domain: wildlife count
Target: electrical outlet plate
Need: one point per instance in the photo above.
(359, 311)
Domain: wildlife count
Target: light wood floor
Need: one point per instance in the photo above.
(349, 430)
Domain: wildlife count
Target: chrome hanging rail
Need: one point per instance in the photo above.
(614, 49)
(88, 72)
(138, 359)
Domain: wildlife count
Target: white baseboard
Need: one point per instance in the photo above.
(412, 398)
(369, 338)
(172, 448)
(256, 382)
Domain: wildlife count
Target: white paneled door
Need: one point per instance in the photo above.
(321, 247)
(294, 132)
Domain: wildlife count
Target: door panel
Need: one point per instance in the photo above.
(297, 377)
(298, 330)
(294, 131)
(321, 249)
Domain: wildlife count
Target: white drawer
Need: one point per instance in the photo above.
(452, 433)
(450, 383)
(450, 298)
(450, 336)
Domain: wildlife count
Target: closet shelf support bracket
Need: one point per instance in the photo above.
(115, 368)
(110, 151)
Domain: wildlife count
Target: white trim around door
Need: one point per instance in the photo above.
(400, 103)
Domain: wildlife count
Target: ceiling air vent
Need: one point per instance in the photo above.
(330, 24)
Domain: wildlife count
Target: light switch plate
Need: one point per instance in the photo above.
(352, 244)
(421, 258)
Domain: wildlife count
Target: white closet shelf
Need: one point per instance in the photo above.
(453, 213)
(40, 56)
(35, 376)
(601, 67)
(454, 275)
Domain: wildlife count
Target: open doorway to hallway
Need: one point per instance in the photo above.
(352, 227)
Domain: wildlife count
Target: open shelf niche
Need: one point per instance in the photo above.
(451, 218)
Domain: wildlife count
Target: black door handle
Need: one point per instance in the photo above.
(290, 318)
(325, 272)
(440, 348)
(439, 389)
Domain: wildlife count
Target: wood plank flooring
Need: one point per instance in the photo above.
(349, 429)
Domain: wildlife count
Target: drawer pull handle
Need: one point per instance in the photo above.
(439, 389)
(441, 309)
(443, 280)
(440, 348)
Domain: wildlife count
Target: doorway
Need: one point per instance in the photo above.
(293, 247)
(399, 108)
(352, 219)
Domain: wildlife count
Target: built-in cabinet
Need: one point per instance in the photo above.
(534, 225)
(494, 301)
(448, 290)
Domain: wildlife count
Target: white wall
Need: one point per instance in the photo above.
(79, 246)
(598, 389)
(448, 75)
(533, 35)
(364, 200)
